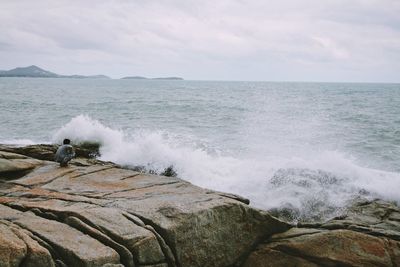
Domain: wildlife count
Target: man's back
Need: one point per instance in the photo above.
(64, 154)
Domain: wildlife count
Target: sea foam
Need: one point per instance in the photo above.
(314, 186)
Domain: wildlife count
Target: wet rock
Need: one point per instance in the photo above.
(377, 217)
(88, 150)
(336, 248)
(311, 188)
(169, 172)
(287, 213)
(304, 177)
(366, 235)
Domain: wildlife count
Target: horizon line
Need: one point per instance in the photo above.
(158, 78)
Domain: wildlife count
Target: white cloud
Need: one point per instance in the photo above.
(236, 39)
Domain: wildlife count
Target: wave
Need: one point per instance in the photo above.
(315, 186)
(18, 142)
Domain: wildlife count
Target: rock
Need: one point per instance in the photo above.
(125, 255)
(376, 217)
(169, 172)
(74, 247)
(310, 187)
(337, 247)
(233, 196)
(36, 254)
(140, 242)
(42, 152)
(12, 249)
(14, 165)
(93, 213)
(266, 257)
(17, 248)
(366, 235)
(46, 152)
(8, 155)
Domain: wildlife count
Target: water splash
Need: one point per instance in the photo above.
(315, 186)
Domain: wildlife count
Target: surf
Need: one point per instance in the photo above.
(313, 187)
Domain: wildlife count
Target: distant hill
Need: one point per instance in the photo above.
(144, 78)
(31, 71)
(36, 72)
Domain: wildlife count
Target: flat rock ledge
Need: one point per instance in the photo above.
(95, 213)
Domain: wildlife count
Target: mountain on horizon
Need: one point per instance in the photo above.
(36, 72)
(31, 71)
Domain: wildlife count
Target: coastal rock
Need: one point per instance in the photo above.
(333, 248)
(12, 248)
(36, 255)
(266, 257)
(74, 247)
(95, 213)
(46, 151)
(366, 235)
(12, 165)
(378, 218)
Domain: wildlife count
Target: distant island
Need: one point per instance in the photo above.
(145, 78)
(36, 72)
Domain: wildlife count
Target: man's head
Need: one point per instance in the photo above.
(66, 141)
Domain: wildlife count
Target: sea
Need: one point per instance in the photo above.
(310, 148)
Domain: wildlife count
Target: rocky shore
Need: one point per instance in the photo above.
(95, 213)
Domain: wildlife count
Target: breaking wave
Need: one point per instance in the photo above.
(313, 187)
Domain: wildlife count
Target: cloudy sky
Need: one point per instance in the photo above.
(285, 40)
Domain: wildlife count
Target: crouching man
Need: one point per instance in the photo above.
(65, 153)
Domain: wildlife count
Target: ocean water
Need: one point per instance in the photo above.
(309, 147)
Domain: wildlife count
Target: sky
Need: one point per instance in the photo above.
(260, 40)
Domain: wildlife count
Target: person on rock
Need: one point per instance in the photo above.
(65, 153)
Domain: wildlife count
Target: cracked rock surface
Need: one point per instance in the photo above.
(94, 213)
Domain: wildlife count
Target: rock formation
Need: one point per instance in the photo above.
(368, 234)
(95, 213)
